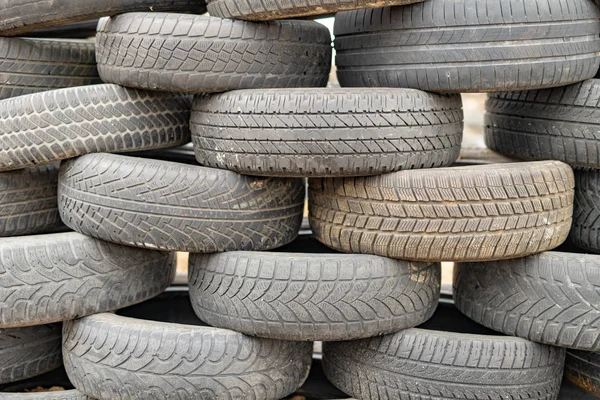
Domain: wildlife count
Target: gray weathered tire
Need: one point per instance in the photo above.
(586, 217)
(29, 351)
(259, 10)
(206, 54)
(50, 395)
(474, 213)
(110, 357)
(583, 369)
(37, 65)
(312, 296)
(551, 298)
(469, 45)
(55, 383)
(171, 206)
(326, 132)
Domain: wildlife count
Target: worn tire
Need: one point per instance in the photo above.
(469, 45)
(448, 214)
(312, 296)
(169, 206)
(258, 10)
(56, 385)
(586, 217)
(37, 65)
(206, 54)
(28, 352)
(110, 357)
(583, 369)
(326, 132)
(61, 124)
(22, 16)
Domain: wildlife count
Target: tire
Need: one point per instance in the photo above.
(461, 363)
(75, 30)
(56, 383)
(27, 352)
(586, 217)
(205, 54)
(51, 395)
(37, 65)
(110, 357)
(169, 206)
(326, 132)
(474, 213)
(469, 45)
(583, 369)
(21, 16)
(66, 123)
(258, 10)
(312, 296)
(28, 202)
(551, 298)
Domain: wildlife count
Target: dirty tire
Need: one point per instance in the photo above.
(469, 45)
(551, 298)
(259, 10)
(22, 16)
(61, 124)
(53, 395)
(312, 296)
(474, 213)
(586, 217)
(28, 352)
(583, 369)
(28, 203)
(550, 124)
(206, 54)
(170, 206)
(110, 357)
(37, 65)
(326, 132)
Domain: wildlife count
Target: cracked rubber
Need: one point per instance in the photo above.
(469, 45)
(37, 65)
(551, 124)
(473, 213)
(586, 216)
(326, 132)
(27, 352)
(312, 296)
(171, 206)
(583, 369)
(57, 277)
(61, 124)
(259, 10)
(551, 298)
(187, 53)
(110, 357)
(21, 16)
(28, 202)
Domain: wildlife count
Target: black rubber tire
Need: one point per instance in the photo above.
(259, 10)
(61, 124)
(110, 357)
(550, 124)
(586, 217)
(469, 45)
(312, 296)
(583, 369)
(22, 16)
(27, 352)
(169, 206)
(28, 203)
(474, 213)
(551, 298)
(37, 65)
(206, 54)
(75, 30)
(326, 132)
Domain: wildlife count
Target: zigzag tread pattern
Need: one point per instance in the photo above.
(582, 368)
(108, 356)
(586, 215)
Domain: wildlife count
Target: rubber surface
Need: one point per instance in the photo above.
(469, 45)
(21, 16)
(326, 132)
(586, 217)
(170, 206)
(186, 53)
(37, 65)
(57, 125)
(551, 124)
(111, 357)
(56, 382)
(258, 10)
(75, 30)
(312, 296)
(28, 352)
(448, 214)
(51, 395)
(583, 369)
